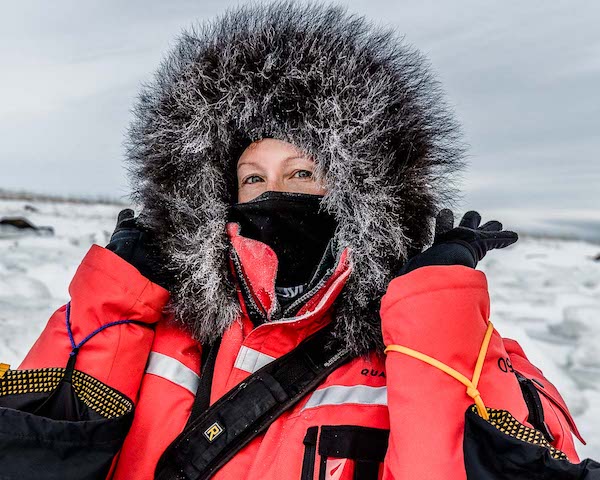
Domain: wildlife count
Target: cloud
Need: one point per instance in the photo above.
(522, 77)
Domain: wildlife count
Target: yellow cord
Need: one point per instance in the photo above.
(470, 384)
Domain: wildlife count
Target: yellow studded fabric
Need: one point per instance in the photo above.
(98, 396)
(506, 423)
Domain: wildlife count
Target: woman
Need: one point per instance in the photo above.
(290, 160)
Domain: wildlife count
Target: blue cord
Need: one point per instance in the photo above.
(76, 346)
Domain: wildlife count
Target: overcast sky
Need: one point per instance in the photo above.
(523, 77)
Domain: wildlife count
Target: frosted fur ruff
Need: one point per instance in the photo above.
(355, 97)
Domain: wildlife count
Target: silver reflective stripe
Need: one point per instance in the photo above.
(251, 360)
(341, 395)
(172, 370)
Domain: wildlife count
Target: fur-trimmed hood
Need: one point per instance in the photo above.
(355, 97)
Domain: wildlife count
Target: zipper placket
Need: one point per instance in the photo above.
(260, 316)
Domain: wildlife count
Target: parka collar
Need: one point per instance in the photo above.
(254, 268)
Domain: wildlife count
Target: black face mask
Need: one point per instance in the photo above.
(293, 225)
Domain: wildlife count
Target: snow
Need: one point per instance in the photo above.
(35, 271)
(544, 292)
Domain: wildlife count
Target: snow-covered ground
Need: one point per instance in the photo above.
(35, 271)
(545, 293)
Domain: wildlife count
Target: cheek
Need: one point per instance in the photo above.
(250, 192)
(243, 196)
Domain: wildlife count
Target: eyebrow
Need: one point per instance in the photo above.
(247, 162)
(294, 157)
(287, 159)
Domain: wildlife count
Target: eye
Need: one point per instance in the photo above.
(302, 174)
(252, 179)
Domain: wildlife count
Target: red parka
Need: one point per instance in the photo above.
(396, 412)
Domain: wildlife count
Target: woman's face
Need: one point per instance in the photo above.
(274, 165)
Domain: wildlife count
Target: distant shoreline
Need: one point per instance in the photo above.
(527, 223)
(52, 198)
(594, 240)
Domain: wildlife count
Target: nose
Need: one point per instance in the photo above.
(275, 185)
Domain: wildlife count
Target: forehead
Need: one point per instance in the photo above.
(270, 150)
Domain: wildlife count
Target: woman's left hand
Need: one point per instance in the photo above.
(464, 245)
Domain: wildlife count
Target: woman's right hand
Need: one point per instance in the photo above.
(465, 244)
(135, 244)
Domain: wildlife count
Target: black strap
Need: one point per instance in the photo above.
(211, 439)
(202, 400)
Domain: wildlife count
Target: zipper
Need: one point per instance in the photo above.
(310, 452)
(256, 312)
(534, 405)
(296, 304)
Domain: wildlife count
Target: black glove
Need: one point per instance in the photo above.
(134, 243)
(464, 245)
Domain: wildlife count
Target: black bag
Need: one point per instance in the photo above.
(502, 448)
(60, 423)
